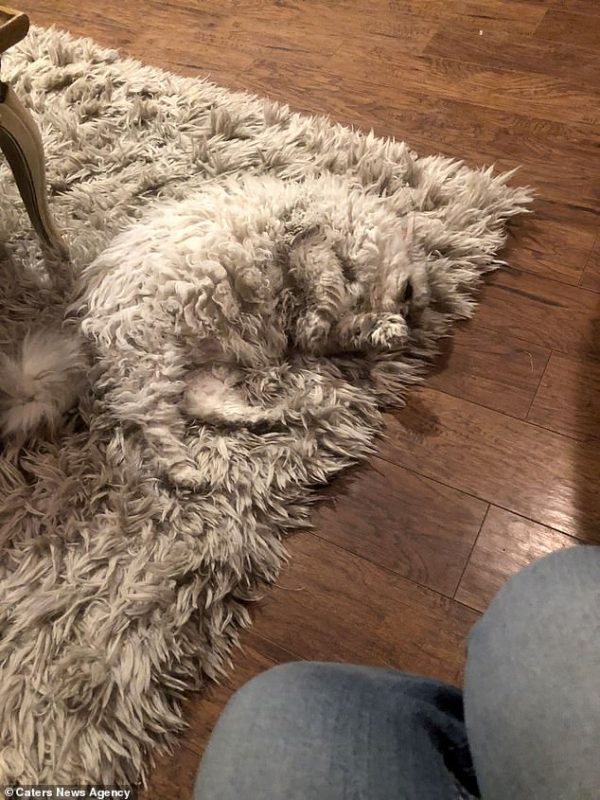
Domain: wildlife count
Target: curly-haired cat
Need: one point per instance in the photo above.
(238, 278)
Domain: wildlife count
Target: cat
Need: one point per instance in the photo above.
(236, 278)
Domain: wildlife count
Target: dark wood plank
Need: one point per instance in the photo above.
(506, 544)
(330, 604)
(383, 17)
(411, 32)
(222, 42)
(568, 399)
(491, 368)
(202, 46)
(591, 274)
(542, 312)
(393, 518)
(115, 27)
(555, 241)
(534, 472)
(544, 96)
(471, 16)
(172, 775)
(570, 28)
(265, 648)
(509, 50)
(192, 41)
(589, 7)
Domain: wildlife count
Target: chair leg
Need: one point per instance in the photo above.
(22, 145)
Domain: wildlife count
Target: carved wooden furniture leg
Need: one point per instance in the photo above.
(22, 145)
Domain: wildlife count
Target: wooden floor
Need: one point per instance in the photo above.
(497, 460)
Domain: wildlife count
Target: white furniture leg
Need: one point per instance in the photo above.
(22, 145)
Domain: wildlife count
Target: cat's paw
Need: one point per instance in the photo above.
(390, 332)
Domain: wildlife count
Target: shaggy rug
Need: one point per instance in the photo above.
(123, 587)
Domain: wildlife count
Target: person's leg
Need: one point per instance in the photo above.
(532, 683)
(310, 731)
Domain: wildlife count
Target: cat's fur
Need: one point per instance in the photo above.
(39, 381)
(238, 278)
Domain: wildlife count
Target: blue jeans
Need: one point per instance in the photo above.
(528, 727)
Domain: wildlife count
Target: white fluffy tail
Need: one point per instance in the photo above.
(40, 383)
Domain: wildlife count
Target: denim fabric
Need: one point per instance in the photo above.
(314, 731)
(532, 683)
(311, 731)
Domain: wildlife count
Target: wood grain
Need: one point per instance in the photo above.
(330, 604)
(204, 44)
(507, 462)
(570, 28)
(587, 7)
(591, 273)
(385, 17)
(545, 96)
(172, 773)
(115, 27)
(556, 243)
(541, 312)
(506, 544)
(471, 15)
(338, 18)
(491, 368)
(404, 522)
(522, 53)
(568, 398)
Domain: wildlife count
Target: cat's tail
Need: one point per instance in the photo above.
(41, 381)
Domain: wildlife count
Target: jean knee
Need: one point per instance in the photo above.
(283, 684)
(550, 596)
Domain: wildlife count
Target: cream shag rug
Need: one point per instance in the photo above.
(121, 590)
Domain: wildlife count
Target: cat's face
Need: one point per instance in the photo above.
(384, 289)
(385, 299)
(389, 275)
